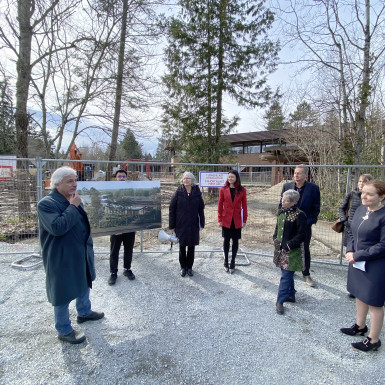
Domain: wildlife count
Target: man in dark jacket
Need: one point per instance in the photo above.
(309, 203)
(116, 240)
(68, 255)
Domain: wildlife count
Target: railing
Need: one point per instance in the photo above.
(21, 189)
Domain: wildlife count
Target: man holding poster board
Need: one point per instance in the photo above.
(116, 240)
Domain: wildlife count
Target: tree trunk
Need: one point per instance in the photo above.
(118, 92)
(364, 91)
(223, 27)
(25, 11)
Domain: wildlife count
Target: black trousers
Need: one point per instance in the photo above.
(128, 240)
(186, 260)
(306, 245)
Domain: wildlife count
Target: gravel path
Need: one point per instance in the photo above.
(213, 328)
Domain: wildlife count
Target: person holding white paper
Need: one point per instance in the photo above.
(366, 243)
(187, 218)
(232, 216)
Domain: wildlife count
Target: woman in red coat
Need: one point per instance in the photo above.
(232, 216)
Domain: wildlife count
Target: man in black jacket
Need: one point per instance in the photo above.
(309, 203)
(116, 240)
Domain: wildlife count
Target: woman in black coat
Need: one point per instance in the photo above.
(186, 218)
(350, 204)
(365, 253)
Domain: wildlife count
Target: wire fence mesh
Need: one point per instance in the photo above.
(23, 182)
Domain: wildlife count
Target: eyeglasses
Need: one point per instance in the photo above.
(121, 176)
(187, 178)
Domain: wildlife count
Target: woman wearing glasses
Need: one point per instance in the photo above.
(186, 218)
(116, 240)
(289, 252)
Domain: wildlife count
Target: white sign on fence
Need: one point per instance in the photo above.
(212, 179)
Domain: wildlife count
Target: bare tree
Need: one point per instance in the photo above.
(29, 15)
(118, 91)
(342, 46)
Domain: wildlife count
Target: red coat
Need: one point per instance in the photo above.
(227, 209)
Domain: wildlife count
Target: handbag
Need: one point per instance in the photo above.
(338, 226)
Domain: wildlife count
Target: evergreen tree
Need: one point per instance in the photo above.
(130, 148)
(303, 117)
(163, 150)
(7, 121)
(216, 48)
(274, 115)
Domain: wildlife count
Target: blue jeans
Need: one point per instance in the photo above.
(286, 285)
(62, 314)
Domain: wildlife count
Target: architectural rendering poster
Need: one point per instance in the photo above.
(121, 207)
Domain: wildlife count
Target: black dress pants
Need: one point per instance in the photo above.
(186, 260)
(306, 245)
(128, 240)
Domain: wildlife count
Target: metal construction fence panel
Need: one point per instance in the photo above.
(23, 182)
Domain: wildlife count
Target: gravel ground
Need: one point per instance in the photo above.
(213, 328)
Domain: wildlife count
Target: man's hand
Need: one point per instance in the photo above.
(75, 199)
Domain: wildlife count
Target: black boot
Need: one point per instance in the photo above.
(232, 265)
(226, 264)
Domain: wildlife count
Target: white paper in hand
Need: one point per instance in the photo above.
(359, 265)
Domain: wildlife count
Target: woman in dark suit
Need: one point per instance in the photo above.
(351, 202)
(366, 257)
(232, 216)
(186, 218)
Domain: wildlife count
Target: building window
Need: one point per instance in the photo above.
(237, 149)
(253, 148)
(267, 145)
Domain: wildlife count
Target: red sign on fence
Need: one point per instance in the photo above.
(6, 172)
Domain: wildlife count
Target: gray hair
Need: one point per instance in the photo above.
(61, 173)
(304, 167)
(189, 175)
(293, 195)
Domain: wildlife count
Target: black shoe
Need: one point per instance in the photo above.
(190, 272)
(112, 279)
(183, 272)
(366, 345)
(73, 338)
(290, 298)
(279, 308)
(354, 329)
(129, 274)
(93, 316)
